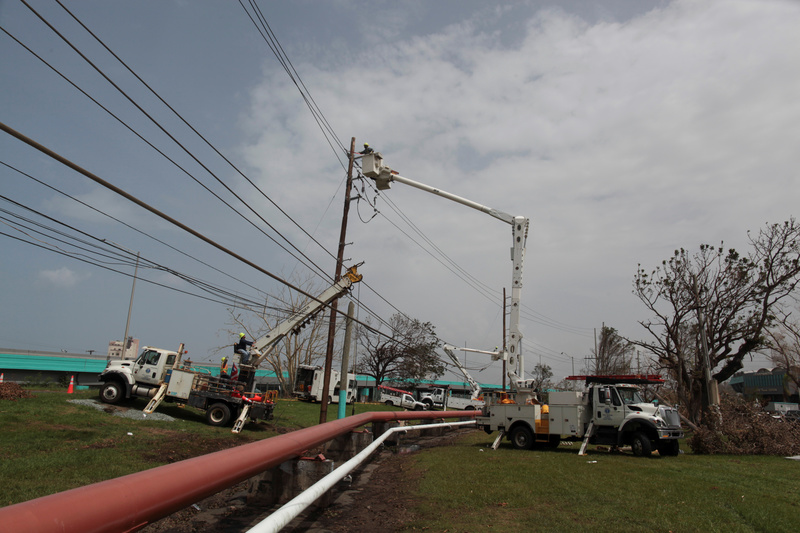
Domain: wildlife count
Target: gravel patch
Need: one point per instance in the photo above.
(124, 412)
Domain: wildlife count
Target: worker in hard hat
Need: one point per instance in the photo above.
(243, 348)
(366, 150)
(223, 368)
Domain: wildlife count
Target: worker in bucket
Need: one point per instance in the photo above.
(366, 150)
(243, 348)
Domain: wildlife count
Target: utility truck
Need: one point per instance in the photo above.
(399, 398)
(610, 411)
(158, 374)
(308, 384)
(444, 399)
(607, 412)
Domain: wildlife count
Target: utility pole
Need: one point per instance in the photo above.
(130, 308)
(344, 387)
(326, 381)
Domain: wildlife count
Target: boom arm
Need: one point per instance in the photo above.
(450, 350)
(265, 344)
(372, 166)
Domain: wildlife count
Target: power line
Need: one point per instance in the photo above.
(203, 138)
(164, 216)
(173, 139)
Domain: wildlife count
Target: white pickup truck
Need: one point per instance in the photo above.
(400, 398)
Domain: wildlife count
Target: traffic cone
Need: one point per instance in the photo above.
(1, 378)
(71, 384)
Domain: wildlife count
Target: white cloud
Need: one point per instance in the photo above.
(621, 140)
(62, 278)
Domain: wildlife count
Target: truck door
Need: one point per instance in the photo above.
(146, 369)
(608, 408)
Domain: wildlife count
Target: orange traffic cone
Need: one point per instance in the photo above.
(1, 378)
(71, 384)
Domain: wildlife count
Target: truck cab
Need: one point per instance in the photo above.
(621, 417)
(124, 378)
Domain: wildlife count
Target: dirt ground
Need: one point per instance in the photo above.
(379, 498)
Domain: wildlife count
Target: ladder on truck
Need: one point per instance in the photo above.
(157, 399)
(239, 424)
(589, 433)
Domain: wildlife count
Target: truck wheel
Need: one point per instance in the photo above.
(669, 448)
(112, 392)
(218, 414)
(641, 445)
(428, 403)
(388, 402)
(521, 438)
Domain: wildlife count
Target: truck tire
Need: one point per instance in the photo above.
(428, 403)
(641, 445)
(112, 392)
(521, 438)
(387, 402)
(669, 448)
(219, 414)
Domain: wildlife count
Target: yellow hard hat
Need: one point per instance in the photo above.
(365, 144)
(241, 334)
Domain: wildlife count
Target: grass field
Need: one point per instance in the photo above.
(50, 445)
(468, 487)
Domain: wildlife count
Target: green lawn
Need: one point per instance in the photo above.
(558, 490)
(50, 445)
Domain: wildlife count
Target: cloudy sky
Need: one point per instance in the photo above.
(624, 129)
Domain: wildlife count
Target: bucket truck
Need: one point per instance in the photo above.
(610, 411)
(159, 375)
(441, 397)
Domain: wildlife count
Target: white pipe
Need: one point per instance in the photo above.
(280, 518)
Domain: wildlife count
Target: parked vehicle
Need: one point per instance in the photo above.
(399, 398)
(158, 374)
(610, 411)
(444, 398)
(308, 384)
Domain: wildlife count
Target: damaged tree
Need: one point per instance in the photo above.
(711, 309)
(407, 354)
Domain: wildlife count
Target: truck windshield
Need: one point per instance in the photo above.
(629, 396)
(148, 357)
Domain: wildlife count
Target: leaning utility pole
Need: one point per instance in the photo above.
(326, 381)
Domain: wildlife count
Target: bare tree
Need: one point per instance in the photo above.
(785, 349)
(408, 353)
(614, 354)
(719, 303)
(307, 347)
(540, 377)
